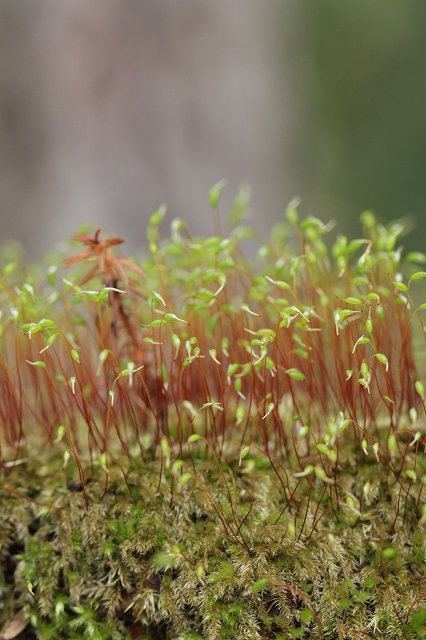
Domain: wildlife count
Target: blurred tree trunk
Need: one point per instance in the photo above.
(110, 108)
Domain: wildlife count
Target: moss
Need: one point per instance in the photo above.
(122, 564)
(203, 447)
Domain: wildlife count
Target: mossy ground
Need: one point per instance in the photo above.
(152, 560)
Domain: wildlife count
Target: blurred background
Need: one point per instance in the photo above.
(110, 108)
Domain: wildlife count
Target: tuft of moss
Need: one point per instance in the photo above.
(154, 562)
(195, 445)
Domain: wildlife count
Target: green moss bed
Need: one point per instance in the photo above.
(195, 445)
(153, 560)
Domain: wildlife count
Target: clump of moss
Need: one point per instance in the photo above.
(201, 446)
(150, 561)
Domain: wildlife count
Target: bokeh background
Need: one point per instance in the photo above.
(110, 108)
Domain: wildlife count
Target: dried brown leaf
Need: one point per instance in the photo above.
(14, 626)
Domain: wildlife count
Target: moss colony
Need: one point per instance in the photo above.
(196, 446)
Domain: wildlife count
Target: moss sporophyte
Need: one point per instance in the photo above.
(198, 445)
